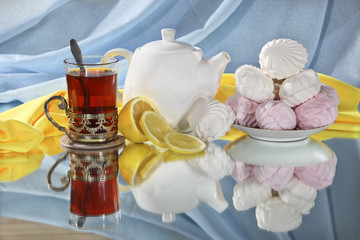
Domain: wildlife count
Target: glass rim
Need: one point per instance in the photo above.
(74, 63)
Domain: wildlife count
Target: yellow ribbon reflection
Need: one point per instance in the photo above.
(14, 166)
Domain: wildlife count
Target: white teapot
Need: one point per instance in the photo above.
(173, 75)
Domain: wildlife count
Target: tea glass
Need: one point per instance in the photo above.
(92, 98)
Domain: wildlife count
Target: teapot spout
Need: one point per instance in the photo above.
(211, 72)
(212, 195)
(220, 61)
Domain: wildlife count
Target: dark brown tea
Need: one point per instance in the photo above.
(93, 91)
(94, 184)
(94, 198)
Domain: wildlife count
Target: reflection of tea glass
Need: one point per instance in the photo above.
(94, 199)
(92, 88)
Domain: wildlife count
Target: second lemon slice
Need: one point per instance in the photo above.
(155, 127)
(129, 118)
(184, 143)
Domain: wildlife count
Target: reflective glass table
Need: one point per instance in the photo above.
(232, 190)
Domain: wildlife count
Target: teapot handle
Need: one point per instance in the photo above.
(124, 53)
(120, 52)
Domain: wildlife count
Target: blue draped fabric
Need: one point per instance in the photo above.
(34, 41)
(34, 36)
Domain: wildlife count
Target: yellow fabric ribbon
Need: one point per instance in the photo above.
(26, 127)
(347, 124)
(26, 134)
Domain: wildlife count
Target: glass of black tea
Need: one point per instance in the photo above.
(91, 106)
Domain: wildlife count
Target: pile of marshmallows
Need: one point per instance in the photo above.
(280, 95)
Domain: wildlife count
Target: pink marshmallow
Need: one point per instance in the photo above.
(244, 109)
(317, 176)
(331, 92)
(319, 111)
(242, 171)
(274, 177)
(275, 115)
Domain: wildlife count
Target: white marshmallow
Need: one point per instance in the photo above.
(211, 119)
(277, 216)
(249, 193)
(299, 195)
(282, 58)
(253, 84)
(299, 88)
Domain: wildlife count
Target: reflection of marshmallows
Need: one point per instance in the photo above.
(299, 195)
(277, 216)
(281, 194)
(317, 176)
(242, 171)
(215, 164)
(250, 193)
(275, 177)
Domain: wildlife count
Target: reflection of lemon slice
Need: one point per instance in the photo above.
(184, 143)
(155, 127)
(174, 156)
(129, 117)
(147, 168)
(137, 161)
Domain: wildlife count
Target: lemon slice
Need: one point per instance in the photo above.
(184, 143)
(155, 127)
(129, 117)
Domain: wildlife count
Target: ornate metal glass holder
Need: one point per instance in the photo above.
(101, 127)
(94, 197)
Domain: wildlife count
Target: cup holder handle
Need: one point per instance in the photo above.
(63, 106)
(64, 180)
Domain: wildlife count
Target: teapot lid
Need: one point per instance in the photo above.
(168, 44)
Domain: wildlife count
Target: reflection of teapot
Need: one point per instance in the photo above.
(179, 183)
(171, 74)
(175, 188)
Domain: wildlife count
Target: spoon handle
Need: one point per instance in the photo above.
(76, 51)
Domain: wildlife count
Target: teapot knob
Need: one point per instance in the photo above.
(168, 34)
